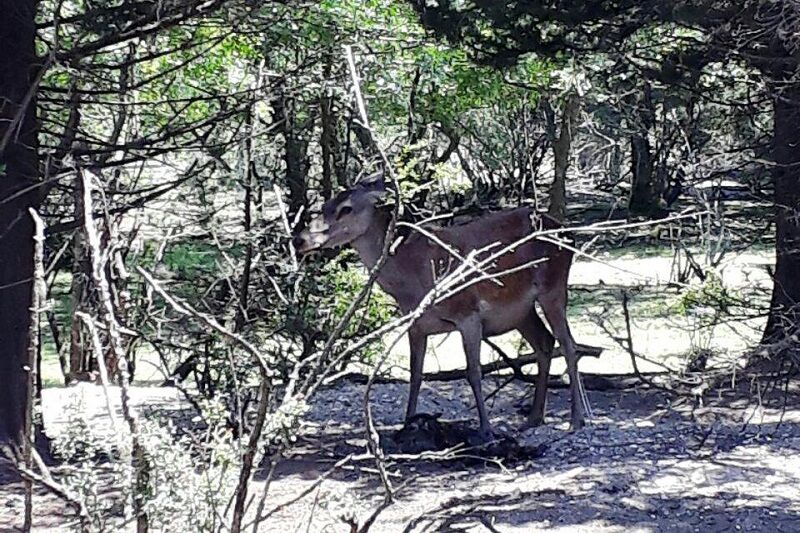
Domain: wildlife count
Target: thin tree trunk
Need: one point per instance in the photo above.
(80, 365)
(611, 124)
(784, 315)
(247, 182)
(294, 153)
(19, 171)
(561, 152)
(140, 460)
(328, 136)
(34, 356)
(328, 124)
(646, 188)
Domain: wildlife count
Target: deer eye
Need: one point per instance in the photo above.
(346, 210)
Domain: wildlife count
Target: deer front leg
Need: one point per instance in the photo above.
(536, 416)
(418, 344)
(471, 335)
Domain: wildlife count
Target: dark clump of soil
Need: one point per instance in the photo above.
(424, 432)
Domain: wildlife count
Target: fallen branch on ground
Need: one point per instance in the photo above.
(595, 382)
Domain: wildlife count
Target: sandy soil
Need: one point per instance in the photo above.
(648, 462)
(645, 464)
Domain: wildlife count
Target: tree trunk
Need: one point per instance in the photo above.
(561, 151)
(294, 153)
(785, 311)
(19, 170)
(645, 198)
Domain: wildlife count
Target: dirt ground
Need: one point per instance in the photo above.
(648, 462)
(50, 513)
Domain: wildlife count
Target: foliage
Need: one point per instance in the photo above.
(711, 293)
(331, 289)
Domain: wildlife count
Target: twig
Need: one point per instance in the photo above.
(249, 455)
(365, 527)
(263, 500)
(37, 303)
(265, 388)
(186, 309)
(629, 340)
(45, 479)
(141, 463)
(286, 226)
(62, 492)
(629, 346)
(325, 475)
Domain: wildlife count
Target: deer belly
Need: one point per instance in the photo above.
(499, 317)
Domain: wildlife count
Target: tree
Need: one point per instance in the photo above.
(34, 92)
(645, 187)
(18, 192)
(561, 151)
(762, 35)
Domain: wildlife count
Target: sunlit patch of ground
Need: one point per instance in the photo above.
(648, 462)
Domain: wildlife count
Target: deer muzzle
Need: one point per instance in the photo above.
(308, 241)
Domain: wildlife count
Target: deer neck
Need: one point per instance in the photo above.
(370, 245)
(396, 277)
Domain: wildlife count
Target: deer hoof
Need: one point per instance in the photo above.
(486, 435)
(534, 422)
(577, 424)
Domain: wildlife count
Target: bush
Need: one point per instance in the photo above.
(330, 288)
(710, 295)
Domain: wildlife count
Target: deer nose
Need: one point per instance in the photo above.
(297, 241)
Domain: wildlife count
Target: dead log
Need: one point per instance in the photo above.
(514, 363)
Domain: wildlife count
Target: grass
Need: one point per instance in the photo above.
(190, 259)
(649, 302)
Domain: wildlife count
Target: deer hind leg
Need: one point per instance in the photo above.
(534, 331)
(554, 306)
(418, 343)
(471, 335)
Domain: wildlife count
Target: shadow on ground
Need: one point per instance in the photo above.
(649, 462)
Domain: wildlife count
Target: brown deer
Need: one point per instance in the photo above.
(489, 307)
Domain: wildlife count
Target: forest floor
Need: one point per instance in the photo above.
(649, 461)
(49, 512)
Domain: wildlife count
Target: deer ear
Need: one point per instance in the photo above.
(374, 189)
(374, 184)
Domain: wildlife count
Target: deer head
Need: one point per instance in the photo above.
(344, 219)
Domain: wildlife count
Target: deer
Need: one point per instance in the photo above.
(536, 270)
